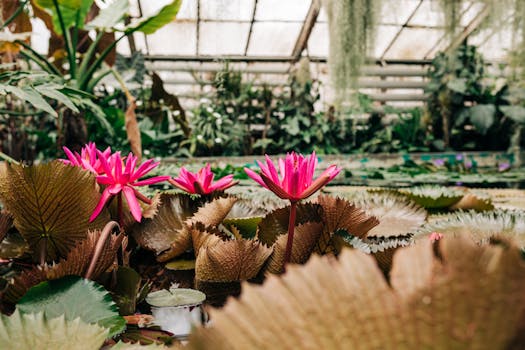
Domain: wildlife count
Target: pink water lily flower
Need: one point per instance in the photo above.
(201, 182)
(87, 159)
(122, 179)
(294, 180)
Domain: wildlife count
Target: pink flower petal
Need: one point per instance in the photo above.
(151, 180)
(101, 203)
(105, 180)
(222, 184)
(182, 185)
(133, 203)
(256, 177)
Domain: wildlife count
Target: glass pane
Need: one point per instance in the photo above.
(237, 10)
(273, 38)
(493, 46)
(281, 10)
(318, 41)
(470, 12)
(397, 11)
(188, 10)
(384, 36)
(149, 8)
(429, 14)
(413, 43)
(176, 38)
(223, 38)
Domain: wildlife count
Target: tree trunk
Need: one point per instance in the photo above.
(74, 130)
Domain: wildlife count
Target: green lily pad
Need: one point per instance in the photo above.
(175, 297)
(35, 331)
(434, 197)
(246, 226)
(74, 297)
(179, 265)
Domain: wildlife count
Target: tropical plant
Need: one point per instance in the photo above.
(83, 65)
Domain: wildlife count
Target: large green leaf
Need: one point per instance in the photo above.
(52, 91)
(30, 95)
(35, 331)
(74, 297)
(107, 18)
(516, 113)
(51, 205)
(482, 116)
(151, 24)
(73, 12)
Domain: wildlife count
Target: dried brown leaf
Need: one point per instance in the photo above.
(227, 261)
(214, 212)
(165, 233)
(306, 237)
(276, 223)
(340, 214)
(462, 296)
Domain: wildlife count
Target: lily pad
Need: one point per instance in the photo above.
(179, 265)
(74, 297)
(434, 197)
(51, 205)
(175, 297)
(35, 331)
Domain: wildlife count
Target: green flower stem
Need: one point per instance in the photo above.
(291, 228)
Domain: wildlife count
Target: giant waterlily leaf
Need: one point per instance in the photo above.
(481, 227)
(51, 205)
(76, 263)
(35, 331)
(474, 200)
(6, 222)
(306, 238)
(165, 233)
(74, 297)
(434, 197)
(245, 217)
(276, 223)
(214, 212)
(452, 295)
(228, 261)
(397, 216)
(340, 214)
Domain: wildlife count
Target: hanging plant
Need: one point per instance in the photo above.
(351, 25)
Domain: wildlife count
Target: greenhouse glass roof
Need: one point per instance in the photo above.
(272, 28)
(265, 38)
